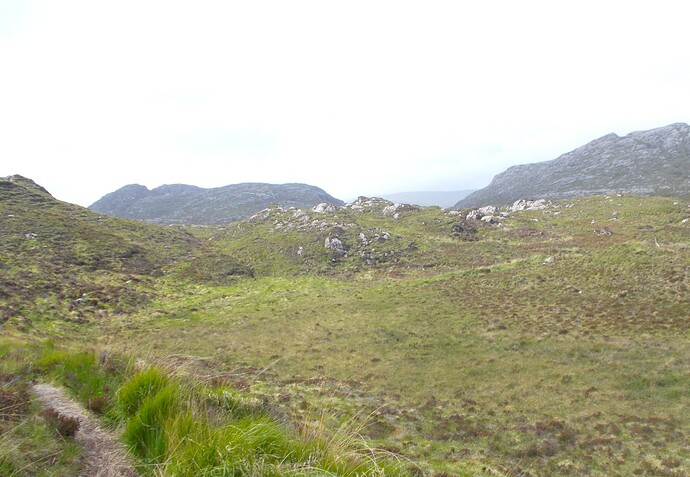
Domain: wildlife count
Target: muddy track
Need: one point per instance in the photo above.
(104, 455)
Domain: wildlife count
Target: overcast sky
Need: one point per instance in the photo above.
(356, 97)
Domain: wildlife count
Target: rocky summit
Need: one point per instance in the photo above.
(186, 204)
(653, 162)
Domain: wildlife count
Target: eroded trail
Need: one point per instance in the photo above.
(104, 455)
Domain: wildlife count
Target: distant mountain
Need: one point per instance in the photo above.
(442, 199)
(653, 162)
(186, 204)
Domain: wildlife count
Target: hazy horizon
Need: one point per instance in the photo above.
(358, 99)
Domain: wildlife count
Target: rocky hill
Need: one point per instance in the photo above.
(186, 204)
(653, 162)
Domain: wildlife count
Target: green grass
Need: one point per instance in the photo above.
(138, 388)
(183, 433)
(172, 425)
(29, 444)
(495, 356)
(146, 433)
(448, 343)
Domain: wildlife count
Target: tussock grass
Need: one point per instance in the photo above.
(177, 427)
(147, 431)
(184, 433)
(139, 387)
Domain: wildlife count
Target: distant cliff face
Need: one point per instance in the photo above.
(186, 204)
(654, 162)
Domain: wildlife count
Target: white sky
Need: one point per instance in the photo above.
(356, 97)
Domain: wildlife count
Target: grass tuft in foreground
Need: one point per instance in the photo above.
(177, 427)
(31, 444)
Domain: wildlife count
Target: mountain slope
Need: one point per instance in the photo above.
(186, 204)
(653, 162)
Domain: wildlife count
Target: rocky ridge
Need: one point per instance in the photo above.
(653, 162)
(186, 204)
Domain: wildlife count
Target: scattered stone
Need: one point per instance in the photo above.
(464, 231)
(604, 231)
(264, 214)
(323, 207)
(474, 215)
(30, 235)
(524, 204)
(396, 209)
(489, 219)
(390, 210)
(334, 244)
(301, 215)
(685, 221)
(550, 259)
(488, 210)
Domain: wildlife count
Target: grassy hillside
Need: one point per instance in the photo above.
(552, 343)
(65, 264)
(477, 343)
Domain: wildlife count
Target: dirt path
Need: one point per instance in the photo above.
(104, 455)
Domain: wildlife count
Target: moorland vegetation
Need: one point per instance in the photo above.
(367, 339)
